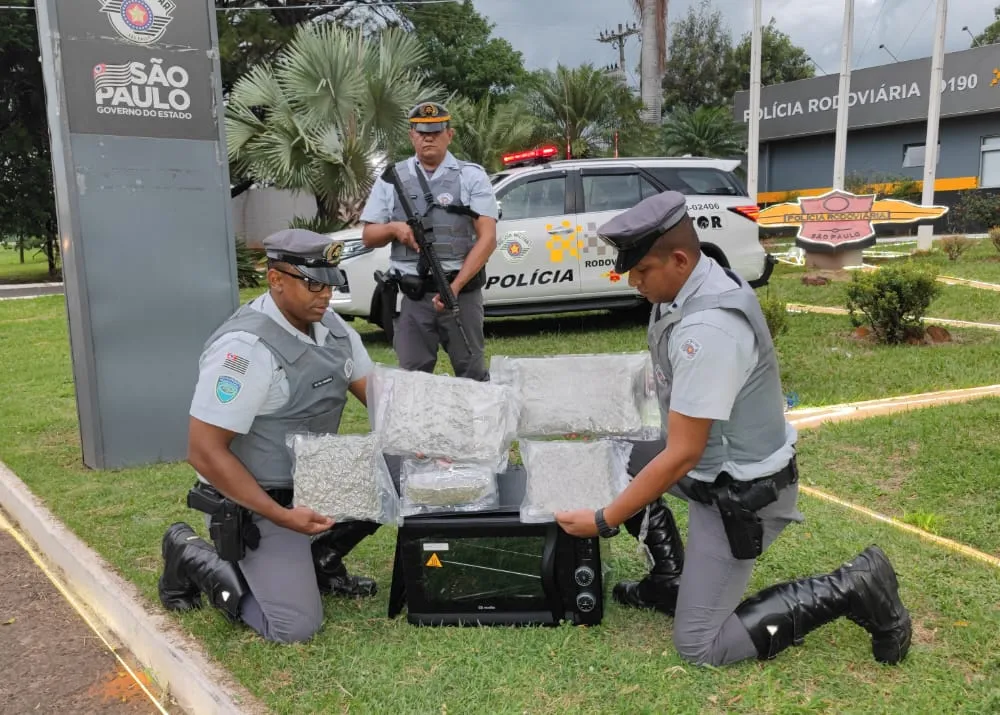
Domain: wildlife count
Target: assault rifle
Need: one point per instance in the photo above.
(423, 229)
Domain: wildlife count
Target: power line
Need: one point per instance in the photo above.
(915, 26)
(871, 32)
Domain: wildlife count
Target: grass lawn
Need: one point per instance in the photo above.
(905, 466)
(364, 662)
(35, 268)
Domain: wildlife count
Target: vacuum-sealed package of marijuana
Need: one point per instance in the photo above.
(595, 395)
(562, 475)
(418, 414)
(344, 477)
(430, 486)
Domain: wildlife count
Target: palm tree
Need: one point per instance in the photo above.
(652, 15)
(578, 108)
(486, 129)
(706, 131)
(322, 115)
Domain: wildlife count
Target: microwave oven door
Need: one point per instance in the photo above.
(480, 570)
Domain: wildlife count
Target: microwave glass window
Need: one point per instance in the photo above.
(473, 568)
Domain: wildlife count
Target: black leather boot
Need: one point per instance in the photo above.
(192, 567)
(659, 588)
(329, 550)
(864, 590)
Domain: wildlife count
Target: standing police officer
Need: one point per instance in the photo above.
(459, 198)
(282, 363)
(731, 454)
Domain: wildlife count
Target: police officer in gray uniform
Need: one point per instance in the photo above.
(458, 197)
(282, 363)
(730, 453)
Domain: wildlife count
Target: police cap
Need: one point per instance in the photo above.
(313, 254)
(633, 232)
(429, 117)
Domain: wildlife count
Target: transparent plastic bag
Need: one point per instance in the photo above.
(344, 477)
(418, 414)
(430, 486)
(563, 475)
(587, 394)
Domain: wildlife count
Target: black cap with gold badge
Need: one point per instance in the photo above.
(313, 254)
(633, 232)
(429, 117)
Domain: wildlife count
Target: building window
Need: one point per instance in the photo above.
(989, 172)
(914, 155)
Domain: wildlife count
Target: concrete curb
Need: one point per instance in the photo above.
(809, 417)
(176, 662)
(830, 310)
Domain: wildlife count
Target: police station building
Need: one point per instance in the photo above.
(887, 127)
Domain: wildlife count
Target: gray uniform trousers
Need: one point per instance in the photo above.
(420, 328)
(284, 603)
(713, 582)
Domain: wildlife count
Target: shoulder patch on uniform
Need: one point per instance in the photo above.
(690, 348)
(236, 363)
(227, 389)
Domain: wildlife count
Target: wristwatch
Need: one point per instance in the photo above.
(603, 529)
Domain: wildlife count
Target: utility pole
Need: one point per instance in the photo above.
(840, 144)
(925, 232)
(617, 41)
(753, 141)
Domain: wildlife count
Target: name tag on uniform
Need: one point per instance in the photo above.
(324, 381)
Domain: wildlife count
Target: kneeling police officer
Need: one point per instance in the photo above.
(730, 453)
(282, 363)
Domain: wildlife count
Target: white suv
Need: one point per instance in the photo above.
(549, 258)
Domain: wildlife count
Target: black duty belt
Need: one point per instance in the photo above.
(282, 496)
(753, 493)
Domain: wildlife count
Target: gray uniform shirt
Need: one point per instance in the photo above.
(476, 193)
(708, 365)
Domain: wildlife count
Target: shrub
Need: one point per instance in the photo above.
(776, 315)
(955, 246)
(892, 300)
(974, 211)
(246, 266)
(995, 237)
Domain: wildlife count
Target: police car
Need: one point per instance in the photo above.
(549, 258)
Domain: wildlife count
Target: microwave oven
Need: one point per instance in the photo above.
(489, 568)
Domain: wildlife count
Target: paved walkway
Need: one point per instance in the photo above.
(51, 660)
(29, 290)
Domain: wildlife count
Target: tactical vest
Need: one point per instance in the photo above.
(454, 234)
(756, 426)
(318, 377)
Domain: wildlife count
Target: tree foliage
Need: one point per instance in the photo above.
(706, 131)
(487, 129)
(27, 204)
(460, 53)
(318, 118)
(991, 33)
(580, 108)
(781, 61)
(699, 50)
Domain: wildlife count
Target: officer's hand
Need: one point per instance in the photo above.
(439, 303)
(404, 234)
(305, 521)
(580, 522)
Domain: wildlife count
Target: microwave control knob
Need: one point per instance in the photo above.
(584, 575)
(586, 602)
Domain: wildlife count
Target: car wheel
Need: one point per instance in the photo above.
(713, 251)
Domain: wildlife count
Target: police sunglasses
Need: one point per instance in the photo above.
(312, 285)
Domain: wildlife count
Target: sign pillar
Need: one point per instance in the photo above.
(134, 105)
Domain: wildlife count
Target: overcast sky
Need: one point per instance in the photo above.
(551, 31)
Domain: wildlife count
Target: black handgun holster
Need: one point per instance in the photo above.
(230, 525)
